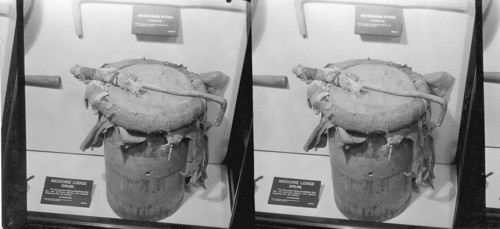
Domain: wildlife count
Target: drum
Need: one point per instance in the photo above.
(376, 117)
(142, 182)
(152, 114)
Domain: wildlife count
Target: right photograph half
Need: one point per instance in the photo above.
(357, 110)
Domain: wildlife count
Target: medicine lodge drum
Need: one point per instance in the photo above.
(376, 118)
(149, 112)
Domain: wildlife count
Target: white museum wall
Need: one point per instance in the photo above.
(56, 119)
(491, 63)
(432, 40)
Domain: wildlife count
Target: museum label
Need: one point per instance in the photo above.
(295, 192)
(69, 192)
(156, 20)
(379, 21)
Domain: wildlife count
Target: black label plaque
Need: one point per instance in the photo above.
(68, 192)
(156, 20)
(295, 192)
(379, 20)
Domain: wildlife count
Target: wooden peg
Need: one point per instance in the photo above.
(77, 17)
(43, 81)
(301, 18)
(270, 81)
(492, 77)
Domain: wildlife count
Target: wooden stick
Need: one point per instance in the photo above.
(462, 5)
(418, 94)
(221, 101)
(42, 81)
(29, 178)
(492, 77)
(219, 5)
(87, 74)
(77, 14)
(270, 81)
(77, 18)
(301, 18)
(309, 74)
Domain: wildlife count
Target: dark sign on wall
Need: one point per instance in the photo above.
(156, 20)
(380, 21)
(295, 192)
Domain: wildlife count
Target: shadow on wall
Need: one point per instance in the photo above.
(448, 118)
(448, 193)
(491, 24)
(214, 192)
(212, 111)
(258, 22)
(32, 24)
(443, 192)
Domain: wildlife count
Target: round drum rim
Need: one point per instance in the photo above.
(387, 122)
(142, 122)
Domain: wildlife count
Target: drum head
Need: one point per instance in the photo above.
(374, 112)
(152, 102)
(372, 102)
(150, 111)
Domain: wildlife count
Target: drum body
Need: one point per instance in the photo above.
(143, 182)
(152, 114)
(373, 137)
(369, 179)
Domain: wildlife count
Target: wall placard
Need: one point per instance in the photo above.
(68, 192)
(379, 21)
(295, 192)
(156, 20)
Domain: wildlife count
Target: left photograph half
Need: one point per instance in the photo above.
(129, 110)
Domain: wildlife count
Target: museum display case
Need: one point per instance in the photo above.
(129, 111)
(249, 114)
(339, 137)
